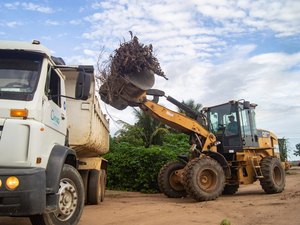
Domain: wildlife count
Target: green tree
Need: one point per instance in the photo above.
(283, 148)
(125, 159)
(147, 129)
(297, 151)
(152, 131)
(192, 105)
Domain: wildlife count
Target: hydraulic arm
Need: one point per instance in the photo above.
(181, 122)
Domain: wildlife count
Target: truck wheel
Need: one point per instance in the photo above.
(85, 178)
(274, 175)
(70, 203)
(204, 179)
(169, 180)
(103, 178)
(94, 187)
(230, 189)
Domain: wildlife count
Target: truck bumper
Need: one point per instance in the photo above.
(29, 197)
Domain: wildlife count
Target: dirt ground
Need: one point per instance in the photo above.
(250, 206)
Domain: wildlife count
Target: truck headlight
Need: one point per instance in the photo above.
(0, 183)
(12, 182)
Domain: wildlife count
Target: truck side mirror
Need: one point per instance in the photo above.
(83, 86)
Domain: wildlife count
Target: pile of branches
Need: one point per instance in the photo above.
(129, 63)
(131, 57)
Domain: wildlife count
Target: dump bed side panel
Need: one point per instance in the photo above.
(87, 125)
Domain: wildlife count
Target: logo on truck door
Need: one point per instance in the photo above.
(54, 117)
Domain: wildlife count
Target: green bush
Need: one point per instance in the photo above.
(134, 168)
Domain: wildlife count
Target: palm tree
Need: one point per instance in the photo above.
(152, 131)
(192, 105)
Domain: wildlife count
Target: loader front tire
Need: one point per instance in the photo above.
(169, 180)
(204, 179)
(274, 175)
(71, 201)
(230, 189)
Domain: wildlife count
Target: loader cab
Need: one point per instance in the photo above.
(233, 124)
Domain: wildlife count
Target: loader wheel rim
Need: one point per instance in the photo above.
(277, 177)
(174, 181)
(207, 180)
(68, 200)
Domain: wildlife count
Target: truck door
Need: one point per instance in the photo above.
(54, 106)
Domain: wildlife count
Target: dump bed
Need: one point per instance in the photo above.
(88, 127)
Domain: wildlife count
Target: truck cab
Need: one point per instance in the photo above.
(39, 108)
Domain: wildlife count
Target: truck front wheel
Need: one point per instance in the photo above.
(70, 203)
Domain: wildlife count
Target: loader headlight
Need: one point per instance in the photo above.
(0, 183)
(12, 183)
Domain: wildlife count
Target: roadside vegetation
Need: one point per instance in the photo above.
(138, 152)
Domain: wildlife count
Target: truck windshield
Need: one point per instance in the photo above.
(19, 74)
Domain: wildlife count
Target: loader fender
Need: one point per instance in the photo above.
(221, 160)
(59, 156)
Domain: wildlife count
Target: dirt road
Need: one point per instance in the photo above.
(250, 206)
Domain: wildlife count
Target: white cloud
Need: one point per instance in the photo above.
(12, 5)
(182, 29)
(13, 24)
(29, 6)
(52, 22)
(76, 22)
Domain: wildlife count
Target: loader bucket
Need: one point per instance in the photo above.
(127, 90)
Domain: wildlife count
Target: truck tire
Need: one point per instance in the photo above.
(85, 178)
(94, 188)
(71, 201)
(204, 179)
(169, 181)
(230, 189)
(274, 175)
(103, 178)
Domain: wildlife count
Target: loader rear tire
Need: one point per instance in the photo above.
(204, 179)
(274, 175)
(230, 189)
(169, 180)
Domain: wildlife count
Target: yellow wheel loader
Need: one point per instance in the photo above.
(226, 147)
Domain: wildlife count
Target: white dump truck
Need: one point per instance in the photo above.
(52, 136)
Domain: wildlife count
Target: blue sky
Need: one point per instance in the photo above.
(211, 50)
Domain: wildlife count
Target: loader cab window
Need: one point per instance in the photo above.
(248, 127)
(225, 124)
(53, 86)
